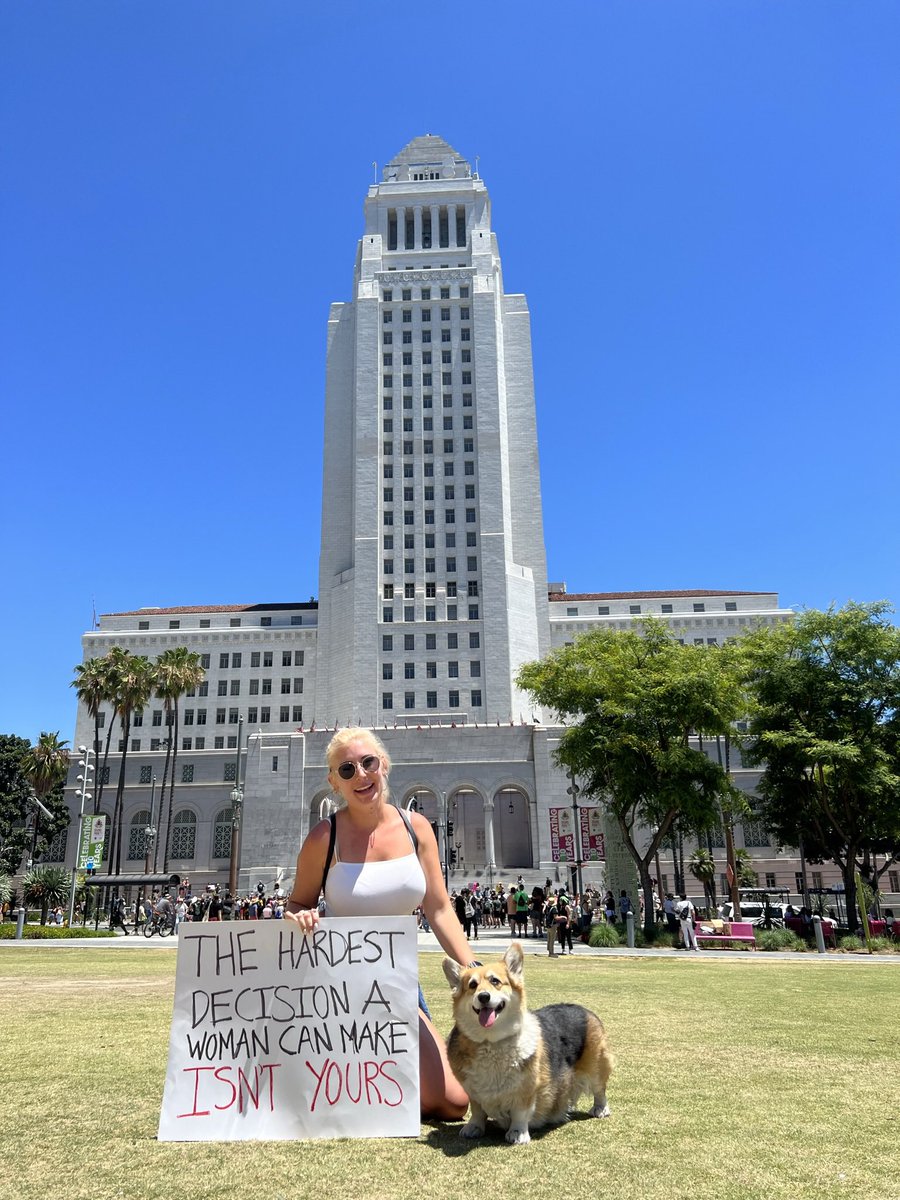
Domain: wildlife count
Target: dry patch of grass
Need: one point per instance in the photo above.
(739, 1080)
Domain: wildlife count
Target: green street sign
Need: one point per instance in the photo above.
(93, 835)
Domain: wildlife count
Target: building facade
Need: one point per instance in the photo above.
(432, 583)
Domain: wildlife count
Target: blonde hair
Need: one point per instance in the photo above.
(344, 737)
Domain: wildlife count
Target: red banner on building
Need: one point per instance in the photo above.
(593, 848)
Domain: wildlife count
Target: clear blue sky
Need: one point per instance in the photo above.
(700, 200)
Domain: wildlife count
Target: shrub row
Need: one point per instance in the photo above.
(51, 932)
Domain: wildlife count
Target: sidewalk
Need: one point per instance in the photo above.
(493, 943)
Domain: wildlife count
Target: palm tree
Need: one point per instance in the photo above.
(177, 671)
(702, 866)
(45, 766)
(93, 683)
(46, 885)
(133, 680)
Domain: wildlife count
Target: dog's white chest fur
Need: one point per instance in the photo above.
(494, 1073)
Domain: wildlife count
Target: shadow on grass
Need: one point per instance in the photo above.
(445, 1138)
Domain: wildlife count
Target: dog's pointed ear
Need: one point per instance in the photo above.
(453, 971)
(514, 959)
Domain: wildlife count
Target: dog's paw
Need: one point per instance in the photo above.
(472, 1129)
(518, 1137)
(600, 1110)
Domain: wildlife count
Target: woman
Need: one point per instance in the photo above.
(370, 834)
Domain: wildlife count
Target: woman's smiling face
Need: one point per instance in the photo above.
(364, 786)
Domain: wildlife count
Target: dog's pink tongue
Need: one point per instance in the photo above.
(487, 1016)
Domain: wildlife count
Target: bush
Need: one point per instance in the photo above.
(882, 944)
(851, 942)
(51, 932)
(604, 935)
(779, 939)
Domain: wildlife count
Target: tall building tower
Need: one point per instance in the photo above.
(432, 576)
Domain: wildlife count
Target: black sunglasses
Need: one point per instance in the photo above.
(369, 763)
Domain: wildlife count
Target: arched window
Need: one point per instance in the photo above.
(56, 851)
(184, 835)
(137, 835)
(222, 834)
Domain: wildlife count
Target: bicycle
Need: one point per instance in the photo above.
(161, 923)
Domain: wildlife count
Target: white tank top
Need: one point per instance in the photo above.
(393, 888)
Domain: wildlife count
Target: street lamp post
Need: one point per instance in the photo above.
(84, 795)
(237, 802)
(572, 790)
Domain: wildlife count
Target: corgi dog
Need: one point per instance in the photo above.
(521, 1069)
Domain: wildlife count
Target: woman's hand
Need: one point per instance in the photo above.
(306, 918)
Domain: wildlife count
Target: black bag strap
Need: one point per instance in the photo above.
(409, 829)
(332, 838)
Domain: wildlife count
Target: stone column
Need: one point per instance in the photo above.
(401, 228)
(435, 226)
(451, 225)
(417, 227)
(490, 862)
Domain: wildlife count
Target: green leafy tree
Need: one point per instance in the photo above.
(746, 875)
(825, 729)
(15, 793)
(177, 671)
(45, 885)
(632, 701)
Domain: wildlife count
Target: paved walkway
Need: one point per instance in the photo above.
(494, 942)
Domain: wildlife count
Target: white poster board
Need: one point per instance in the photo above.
(278, 1034)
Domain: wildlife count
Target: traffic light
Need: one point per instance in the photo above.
(449, 829)
(452, 858)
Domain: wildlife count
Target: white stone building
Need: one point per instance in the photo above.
(432, 579)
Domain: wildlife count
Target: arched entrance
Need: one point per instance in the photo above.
(512, 828)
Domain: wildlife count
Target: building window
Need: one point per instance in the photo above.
(265, 716)
(187, 773)
(666, 608)
(235, 687)
(430, 612)
(431, 699)
(474, 641)
(137, 835)
(473, 612)
(222, 832)
(699, 608)
(755, 832)
(603, 610)
(475, 670)
(143, 624)
(387, 699)
(252, 714)
(476, 698)
(146, 775)
(770, 879)
(284, 713)
(409, 700)
(184, 835)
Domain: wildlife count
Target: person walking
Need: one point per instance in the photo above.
(563, 924)
(686, 915)
(550, 915)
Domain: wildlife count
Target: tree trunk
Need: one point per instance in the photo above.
(848, 870)
(161, 822)
(102, 772)
(120, 798)
(171, 791)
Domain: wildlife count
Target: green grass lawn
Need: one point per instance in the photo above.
(735, 1080)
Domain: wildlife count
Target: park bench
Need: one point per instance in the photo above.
(725, 931)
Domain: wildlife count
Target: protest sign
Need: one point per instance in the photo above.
(280, 1034)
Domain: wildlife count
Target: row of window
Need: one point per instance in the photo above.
(258, 686)
(425, 294)
(410, 641)
(407, 446)
(449, 565)
(450, 587)
(431, 700)
(431, 670)
(409, 613)
(233, 622)
(406, 314)
(427, 427)
(387, 493)
(387, 381)
(424, 338)
(387, 358)
(258, 658)
(635, 609)
(447, 398)
(449, 516)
